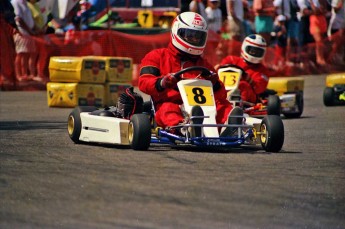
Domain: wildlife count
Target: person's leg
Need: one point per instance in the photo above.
(32, 62)
(18, 66)
(168, 114)
(25, 65)
(319, 49)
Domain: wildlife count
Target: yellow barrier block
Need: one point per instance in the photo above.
(118, 69)
(87, 69)
(75, 94)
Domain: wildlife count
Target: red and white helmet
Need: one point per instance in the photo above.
(253, 48)
(189, 33)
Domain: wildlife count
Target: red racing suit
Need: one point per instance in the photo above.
(163, 61)
(257, 80)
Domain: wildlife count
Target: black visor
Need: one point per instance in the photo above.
(193, 37)
(255, 51)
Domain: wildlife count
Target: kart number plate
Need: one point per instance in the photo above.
(229, 78)
(200, 95)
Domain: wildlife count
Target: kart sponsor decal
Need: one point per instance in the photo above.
(342, 97)
(198, 20)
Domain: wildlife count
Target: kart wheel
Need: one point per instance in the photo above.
(273, 105)
(139, 132)
(74, 122)
(328, 96)
(272, 133)
(300, 105)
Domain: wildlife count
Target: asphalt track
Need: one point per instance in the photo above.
(47, 181)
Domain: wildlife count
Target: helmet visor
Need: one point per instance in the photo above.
(193, 37)
(255, 51)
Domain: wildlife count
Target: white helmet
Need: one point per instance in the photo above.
(253, 48)
(189, 33)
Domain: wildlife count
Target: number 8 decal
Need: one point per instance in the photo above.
(199, 95)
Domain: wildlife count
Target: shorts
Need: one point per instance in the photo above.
(318, 24)
(236, 29)
(292, 29)
(24, 44)
(263, 24)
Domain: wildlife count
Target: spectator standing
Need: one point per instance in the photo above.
(214, 16)
(39, 29)
(305, 38)
(265, 13)
(7, 56)
(24, 44)
(336, 32)
(318, 28)
(235, 11)
(281, 40)
(292, 27)
(198, 6)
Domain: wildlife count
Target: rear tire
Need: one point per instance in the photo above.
(139, 132)
(74, 122)
(272, 133)
(273, 105)
(328, 96)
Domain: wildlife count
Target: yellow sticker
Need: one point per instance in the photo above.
(145, 18)
(199, 95)
(229, 78)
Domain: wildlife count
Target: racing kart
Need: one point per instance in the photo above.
(290, 104)
(133, 123)
(334, 92)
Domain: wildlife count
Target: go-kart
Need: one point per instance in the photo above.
(290, 104)
(334, 92)
(138, 129)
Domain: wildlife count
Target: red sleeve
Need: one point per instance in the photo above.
(260, 79)
(150, 73)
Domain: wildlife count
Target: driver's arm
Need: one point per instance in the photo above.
(152, 79)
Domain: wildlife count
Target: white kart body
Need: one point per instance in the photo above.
(100, 129)
(208, 104)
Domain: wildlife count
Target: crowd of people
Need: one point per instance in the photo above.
(288, 26)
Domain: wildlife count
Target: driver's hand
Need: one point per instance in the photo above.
(169, 81)
(214, 78)
(246, 77)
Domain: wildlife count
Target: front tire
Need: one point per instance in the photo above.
(74, 122)
(328, 96)
(139, 132)
(272, 133)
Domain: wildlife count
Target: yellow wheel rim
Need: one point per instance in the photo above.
(70, 125)
(263, 131)
(130, 132)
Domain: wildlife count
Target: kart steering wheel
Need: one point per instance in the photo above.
(204, 71)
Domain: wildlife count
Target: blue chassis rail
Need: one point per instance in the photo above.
(169, 138)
